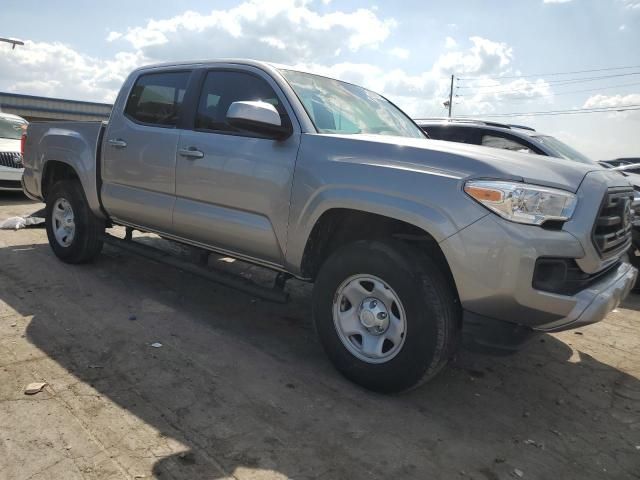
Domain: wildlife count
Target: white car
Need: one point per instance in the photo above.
(11, 129)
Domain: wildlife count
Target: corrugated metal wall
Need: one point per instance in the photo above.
(43, 108)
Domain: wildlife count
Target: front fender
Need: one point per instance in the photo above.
(432, 219)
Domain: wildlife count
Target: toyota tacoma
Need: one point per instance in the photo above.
(410, 242)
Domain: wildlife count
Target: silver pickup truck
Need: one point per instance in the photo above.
(410, 242)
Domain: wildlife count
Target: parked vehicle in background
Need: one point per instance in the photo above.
(517, 138)
(631, 164)
(11, 129)
(409, 242)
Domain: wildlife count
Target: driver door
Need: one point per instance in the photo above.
(233, 187)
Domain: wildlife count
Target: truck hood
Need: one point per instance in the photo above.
(470, 161)
(9, 145)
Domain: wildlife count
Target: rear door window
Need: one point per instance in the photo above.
(156, 98)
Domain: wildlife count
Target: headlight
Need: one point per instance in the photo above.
(522, 203)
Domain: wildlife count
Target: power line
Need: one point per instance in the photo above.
(555, 73)
(530, 87)
(551, 82)
(607, 87)
(621, 108)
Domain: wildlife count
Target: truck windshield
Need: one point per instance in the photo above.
(12, 128)
(562, 150)
(340, 107)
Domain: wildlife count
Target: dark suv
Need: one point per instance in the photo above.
(499, 135)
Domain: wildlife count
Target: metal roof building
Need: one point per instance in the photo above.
(43, 108)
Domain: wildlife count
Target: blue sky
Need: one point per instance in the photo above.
(405, 50)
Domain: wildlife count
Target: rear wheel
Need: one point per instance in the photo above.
(74, 232)
(385, 314)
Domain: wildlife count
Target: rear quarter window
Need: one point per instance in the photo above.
(451, 133)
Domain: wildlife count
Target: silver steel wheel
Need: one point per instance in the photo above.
(64, 226)
(369, 318)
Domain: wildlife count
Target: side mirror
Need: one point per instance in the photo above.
(258, 117)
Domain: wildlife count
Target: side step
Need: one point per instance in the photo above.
(275, 294)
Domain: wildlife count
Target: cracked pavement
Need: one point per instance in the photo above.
(241, 388)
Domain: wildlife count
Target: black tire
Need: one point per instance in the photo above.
(432, 313)
(86, 242)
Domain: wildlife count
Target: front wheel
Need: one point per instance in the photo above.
(74, 232)
(385, 314)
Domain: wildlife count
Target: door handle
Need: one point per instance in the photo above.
(191, 152)
(117, 143)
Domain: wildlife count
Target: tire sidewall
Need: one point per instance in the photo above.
(424, 319)
(69, 191)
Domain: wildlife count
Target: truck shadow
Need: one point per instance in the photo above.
(243, 385)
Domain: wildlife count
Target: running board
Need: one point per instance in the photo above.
(275, 294)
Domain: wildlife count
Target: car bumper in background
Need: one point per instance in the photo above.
(10, 178)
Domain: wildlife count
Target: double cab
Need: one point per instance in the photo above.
(411, 243)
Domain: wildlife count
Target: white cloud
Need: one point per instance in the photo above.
(632, 4)
(613, 101)
(113, 36)
(556, 1)
(402, 53)
(304, 32)
(58, 70)
(449, 42)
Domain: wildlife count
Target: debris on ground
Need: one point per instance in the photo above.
(34, 388)
(132, 317)
(156, 345)
(36, 219)
(518, 473)
(534, 443)
(96, 366)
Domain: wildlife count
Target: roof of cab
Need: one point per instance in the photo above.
(204, 63)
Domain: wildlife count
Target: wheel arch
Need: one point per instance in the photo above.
(336, 227)
(53, 172)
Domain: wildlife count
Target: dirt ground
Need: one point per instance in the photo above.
(241, 388)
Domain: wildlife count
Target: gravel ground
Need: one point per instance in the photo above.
(240, 388)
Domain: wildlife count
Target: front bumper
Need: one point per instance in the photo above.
(595, 302)
(10, 178)
(493, 263)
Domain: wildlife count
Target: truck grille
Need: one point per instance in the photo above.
(612, 231)
(11, 159)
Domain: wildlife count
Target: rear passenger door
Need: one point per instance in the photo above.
(139, 151)
(232, 187)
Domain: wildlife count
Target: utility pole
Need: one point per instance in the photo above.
(12, 41)
(451, 96)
